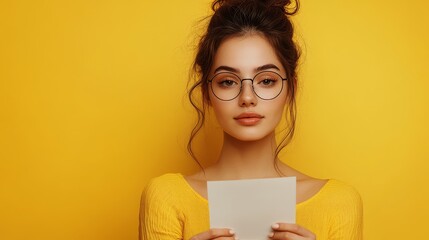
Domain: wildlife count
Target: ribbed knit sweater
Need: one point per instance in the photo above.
(172, 209)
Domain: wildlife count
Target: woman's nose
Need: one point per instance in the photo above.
(247, 95)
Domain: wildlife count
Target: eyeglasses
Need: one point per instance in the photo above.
(226, 86)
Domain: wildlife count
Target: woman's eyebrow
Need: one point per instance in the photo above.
(267, 66)
(258, 69)
(226, 68)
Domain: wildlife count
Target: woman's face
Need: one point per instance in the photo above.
(247, 117)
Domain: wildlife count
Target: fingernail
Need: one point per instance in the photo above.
(271, 234)
(231, 231)
(275, 226)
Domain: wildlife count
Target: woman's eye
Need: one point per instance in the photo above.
(267, 82)
(227, 83)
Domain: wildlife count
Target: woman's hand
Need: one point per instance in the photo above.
(288, 231)
(216, 233)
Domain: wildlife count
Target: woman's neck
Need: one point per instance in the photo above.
(245, 159)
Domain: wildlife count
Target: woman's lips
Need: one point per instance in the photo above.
(248, 119)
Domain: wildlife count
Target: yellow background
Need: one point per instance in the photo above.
(92, 105)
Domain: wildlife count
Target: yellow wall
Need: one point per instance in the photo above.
(92, 106)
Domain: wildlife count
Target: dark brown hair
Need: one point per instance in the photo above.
(270, 18)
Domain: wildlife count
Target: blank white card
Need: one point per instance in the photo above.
(250, 207)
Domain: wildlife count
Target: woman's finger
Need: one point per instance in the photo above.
(293, 228)
(286, 236)
(215, 233)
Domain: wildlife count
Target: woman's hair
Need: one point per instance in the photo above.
(269, 18)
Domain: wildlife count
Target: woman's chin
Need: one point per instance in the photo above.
(248, 136)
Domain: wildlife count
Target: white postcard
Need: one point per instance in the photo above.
(250, 207)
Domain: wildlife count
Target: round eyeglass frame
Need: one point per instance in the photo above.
(241, 85)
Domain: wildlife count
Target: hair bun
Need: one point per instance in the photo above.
(288, 7)
(280, 3)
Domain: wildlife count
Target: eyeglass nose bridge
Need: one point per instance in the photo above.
(241, 86)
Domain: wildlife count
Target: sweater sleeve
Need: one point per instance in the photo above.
(347, 220)
(159, 215)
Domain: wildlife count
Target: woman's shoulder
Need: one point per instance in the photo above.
(164, 185)
(166, 179)
(337, 194)
(329, 191)
(171, 190)
(341, 191)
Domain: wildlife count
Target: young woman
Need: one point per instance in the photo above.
(246, 67)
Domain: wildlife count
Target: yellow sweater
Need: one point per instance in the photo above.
(171, 209)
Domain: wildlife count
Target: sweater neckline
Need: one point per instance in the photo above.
(305, 202)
